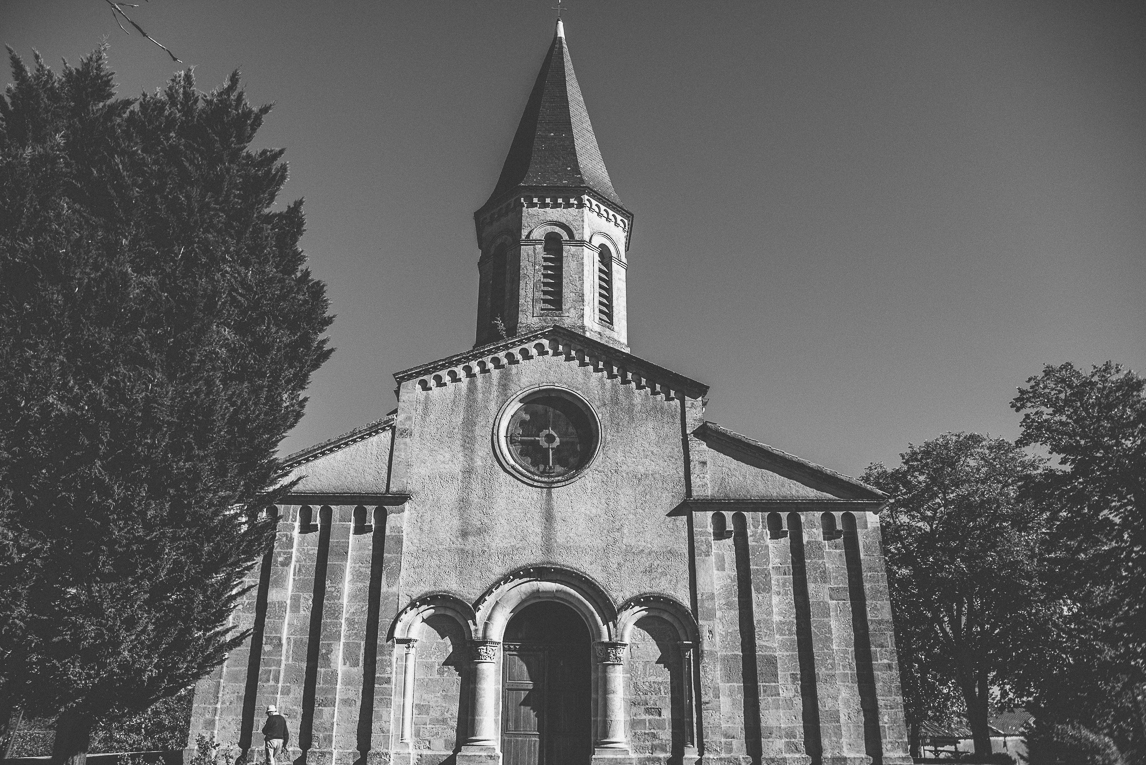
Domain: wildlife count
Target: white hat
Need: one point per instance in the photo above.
(272, 709)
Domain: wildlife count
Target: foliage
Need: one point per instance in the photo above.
(161, 727)
(157, 329)
(929, 692)
(206, 749)
(1094, 424)
(963, 552)
(1049, 744)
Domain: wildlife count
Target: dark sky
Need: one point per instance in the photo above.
(863, 224)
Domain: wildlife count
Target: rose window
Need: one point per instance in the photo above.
(549, 435)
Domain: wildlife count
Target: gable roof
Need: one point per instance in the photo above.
(554, 146)
(554, 340)
(353, 468)
(816, 481)
(362, 432)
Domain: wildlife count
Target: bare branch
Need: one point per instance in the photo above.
(117, 12)
(120, 25)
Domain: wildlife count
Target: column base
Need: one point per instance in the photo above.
(725, 759)
(788, 759)
(613, 757)
(346, 756)
(477, 754)
(846, 759)
(898, 759)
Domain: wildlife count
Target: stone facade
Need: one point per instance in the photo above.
(728, 600)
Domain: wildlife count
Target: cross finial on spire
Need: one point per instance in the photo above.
(560, 27)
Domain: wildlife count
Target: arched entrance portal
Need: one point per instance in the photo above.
(546, 686)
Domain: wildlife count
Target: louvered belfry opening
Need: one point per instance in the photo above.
(551, 274)
(605, 285)
(554, 204)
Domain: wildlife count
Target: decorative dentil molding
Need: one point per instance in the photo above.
(559, 343)
(582, 201)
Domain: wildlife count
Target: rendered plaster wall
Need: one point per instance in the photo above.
(732, 474)
(359, 468)
(470, 522)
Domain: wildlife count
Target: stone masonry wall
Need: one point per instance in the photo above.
(796, 659)
(654, 691)
(439, 671)
(320, 613)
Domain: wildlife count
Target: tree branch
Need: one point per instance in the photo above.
(117, 12)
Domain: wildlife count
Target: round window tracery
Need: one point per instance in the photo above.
(547, 436)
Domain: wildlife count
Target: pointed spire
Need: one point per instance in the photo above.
(554, 146)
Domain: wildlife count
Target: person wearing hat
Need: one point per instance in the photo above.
(275, 734)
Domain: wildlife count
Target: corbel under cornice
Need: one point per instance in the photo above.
(555, 341)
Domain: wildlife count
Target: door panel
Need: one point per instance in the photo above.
(520, 717)
(523, 705)
(566, 736)
(545, 711)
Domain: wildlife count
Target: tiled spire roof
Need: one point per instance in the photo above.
(554, 145)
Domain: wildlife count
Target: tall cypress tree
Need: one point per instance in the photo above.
(157, 329)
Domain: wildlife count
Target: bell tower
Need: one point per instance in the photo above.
(553, 235)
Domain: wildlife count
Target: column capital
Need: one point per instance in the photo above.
(484, 650)
(609, 652)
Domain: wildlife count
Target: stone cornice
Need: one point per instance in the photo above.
(771, 504)
(556, 198)
(361, 433)
(555, 341)
(328, 498)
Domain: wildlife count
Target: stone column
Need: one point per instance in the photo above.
(611, 658)
(328, 679)
(688, 708)
(408, 666)
(785, 737)
(823, 641)
(885, 665)
(710, 735)
(351, 730)
(483, 735)
(842, 620)
(380, 695)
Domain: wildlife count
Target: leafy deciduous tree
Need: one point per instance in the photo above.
(157, 329)
(963, 551)
(1094, 423)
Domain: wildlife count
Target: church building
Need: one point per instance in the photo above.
(545, 555)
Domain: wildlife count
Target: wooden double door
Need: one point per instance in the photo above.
(546, 697)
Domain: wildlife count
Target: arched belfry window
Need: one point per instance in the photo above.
(497, 279)
(605, 285)
(552, 281)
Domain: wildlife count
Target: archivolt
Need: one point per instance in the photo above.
(550, 227)
(408, 623)
(661, 606)
(537, 583)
